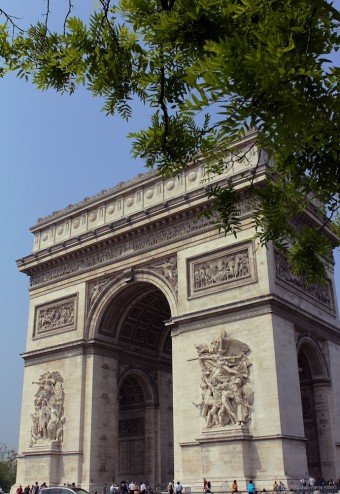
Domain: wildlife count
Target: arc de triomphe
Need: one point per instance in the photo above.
(160, 349)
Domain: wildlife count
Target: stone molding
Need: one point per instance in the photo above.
(122, 249)
(55, 352)
(56, 316)
(139, 194)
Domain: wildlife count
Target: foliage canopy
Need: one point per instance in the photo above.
(7, 467)
(211, 70)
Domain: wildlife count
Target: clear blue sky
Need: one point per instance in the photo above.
(55, 150)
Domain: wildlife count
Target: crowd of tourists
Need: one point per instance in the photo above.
(126, 487)
(306, 486)
(36, 488)
(31, 489)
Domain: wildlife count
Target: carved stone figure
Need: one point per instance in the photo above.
(95, 288)
(48, 419)
(226, 397)
(168, 269)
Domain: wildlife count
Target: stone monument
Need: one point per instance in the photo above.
(160, 349)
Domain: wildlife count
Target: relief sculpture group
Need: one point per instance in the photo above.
(226, 397)
(48, 418)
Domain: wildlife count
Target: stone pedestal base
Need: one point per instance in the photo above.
(42, 458)
(221, 454)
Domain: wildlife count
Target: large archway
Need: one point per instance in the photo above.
(136, 319)
(314, 386)
(309, 417)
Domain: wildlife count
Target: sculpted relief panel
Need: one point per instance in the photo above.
(224, 269)
(48, 418)
(322, 294)
(226, 397)
(57, 316)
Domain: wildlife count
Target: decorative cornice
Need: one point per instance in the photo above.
(132, 243)
(121, 186)
(253, 307)
(135, 181)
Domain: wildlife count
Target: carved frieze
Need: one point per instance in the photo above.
(322, 294)
(59, 315)
(221, 270)
(48, 418)
(124, 248)
(226, 397)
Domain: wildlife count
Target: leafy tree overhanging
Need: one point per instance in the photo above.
(211, 70)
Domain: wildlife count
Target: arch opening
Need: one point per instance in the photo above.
(136, 319)
(309, 414)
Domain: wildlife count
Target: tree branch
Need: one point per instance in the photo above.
(10, 18)
(70, 7)
(47, 13)
(164, 108)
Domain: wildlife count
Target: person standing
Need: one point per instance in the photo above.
(142, 488)
(251, 487)
(205, 485)
(311, 483)
(179, 488)
(131, 487)
(105, 489)
(234, 487)
(171, 487)
(112, 488)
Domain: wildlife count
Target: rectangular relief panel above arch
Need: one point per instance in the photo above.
(221, 269)
(56, 316)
